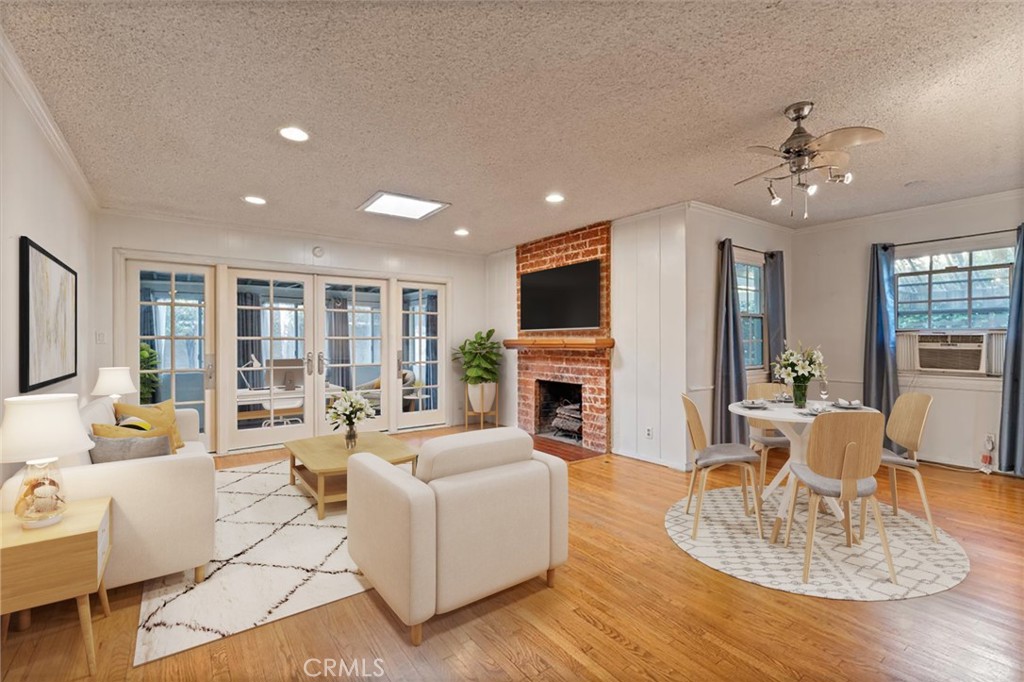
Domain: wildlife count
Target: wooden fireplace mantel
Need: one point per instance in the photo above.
(560, 343)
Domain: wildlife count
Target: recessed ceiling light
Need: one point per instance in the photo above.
(402, 206)
(256, 201)
(554, 198)
(294, 134)
(462, 232)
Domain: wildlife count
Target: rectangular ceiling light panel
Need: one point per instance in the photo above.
(402, 206)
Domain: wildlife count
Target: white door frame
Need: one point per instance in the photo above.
(419, 418)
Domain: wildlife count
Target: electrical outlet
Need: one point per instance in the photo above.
(101, 338)
(990, 442)
(649, 433)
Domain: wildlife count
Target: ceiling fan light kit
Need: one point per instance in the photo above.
(802, 154)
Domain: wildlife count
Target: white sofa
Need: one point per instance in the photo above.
(483, 512)
(163, 508)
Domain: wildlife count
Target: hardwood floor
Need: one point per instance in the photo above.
(629, 604)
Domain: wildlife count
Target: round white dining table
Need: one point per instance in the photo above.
(796, 426)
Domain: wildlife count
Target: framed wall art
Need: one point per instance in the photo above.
(48, 318)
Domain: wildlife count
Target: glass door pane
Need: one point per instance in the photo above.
(271, 360)
(421, 383)
(169, 325)
(352, 352)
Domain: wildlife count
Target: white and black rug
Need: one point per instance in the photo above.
(273, 559)
(727, 541)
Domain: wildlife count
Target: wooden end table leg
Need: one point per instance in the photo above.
(104, 601)
(291, 469)
(85, 619)
(24, 620)
(320, 496)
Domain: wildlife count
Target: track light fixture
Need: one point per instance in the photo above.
(809, 190)
(845, 179)
(776, 199)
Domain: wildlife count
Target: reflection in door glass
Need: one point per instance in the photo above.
(352, 343)
(172, 329)
(420, 351)
(270, 353)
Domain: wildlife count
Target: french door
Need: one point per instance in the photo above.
(352, 344)
(171, 337)
(421, 355)
(271, 363)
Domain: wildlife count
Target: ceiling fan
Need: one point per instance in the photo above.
(803, 154)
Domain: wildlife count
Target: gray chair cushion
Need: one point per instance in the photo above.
(725, 453)
(890, 458)
(830, 487)
(771, 441)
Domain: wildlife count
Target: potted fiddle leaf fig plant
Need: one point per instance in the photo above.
(480, 356)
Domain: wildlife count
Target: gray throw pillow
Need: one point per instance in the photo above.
(118, 449)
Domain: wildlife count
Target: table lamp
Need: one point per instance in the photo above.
(38, 430)
(115, 382)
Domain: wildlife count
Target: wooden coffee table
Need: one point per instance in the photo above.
(321, 464)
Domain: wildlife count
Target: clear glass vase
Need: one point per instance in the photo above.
(800, 395)
(351, 436)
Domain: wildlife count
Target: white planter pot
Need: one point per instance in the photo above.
(481, 396)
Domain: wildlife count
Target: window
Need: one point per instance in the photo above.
(750, 285)
(956, 290)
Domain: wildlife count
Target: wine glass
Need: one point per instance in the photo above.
(823, 390)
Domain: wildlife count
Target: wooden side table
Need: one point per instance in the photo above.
(45, 565)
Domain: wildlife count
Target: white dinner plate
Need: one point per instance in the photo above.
(848, 407)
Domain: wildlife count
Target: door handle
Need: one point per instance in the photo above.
(321, 363)
(398, 365)
(209, 375)
(309, 363)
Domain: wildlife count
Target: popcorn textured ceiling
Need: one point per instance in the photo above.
(172, 108)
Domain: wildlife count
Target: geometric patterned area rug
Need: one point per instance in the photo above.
(273, 558)
(727, 541)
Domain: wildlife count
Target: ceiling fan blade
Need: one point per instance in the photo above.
(768, 151)
(764, 172)
(845, 137)
(837, 159)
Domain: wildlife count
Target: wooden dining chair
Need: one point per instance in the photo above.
(843, 457)
(767, 438)
(706, 458)
(906, 428)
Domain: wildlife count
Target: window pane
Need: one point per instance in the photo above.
(951, 319)
(154, 286)
(338, 297)
(988, 283)
(753, 341)
(912, 321)
(941, 261)
(912, 264)
(912, 288)
(188, 354)
(948, 285)
(368, 298)
(993, 256)
(188, 320)
(188, 386)
(991, 313)
(188, 287)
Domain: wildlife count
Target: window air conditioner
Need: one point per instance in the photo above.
(952, 353)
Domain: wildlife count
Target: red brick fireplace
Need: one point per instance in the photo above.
(569, 356)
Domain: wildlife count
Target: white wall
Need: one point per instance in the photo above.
(501, 314)
(830, 304)
(40, 200)
(211, 243)
(705, 227)
(649, 323)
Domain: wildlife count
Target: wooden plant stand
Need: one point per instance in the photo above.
(494, 411)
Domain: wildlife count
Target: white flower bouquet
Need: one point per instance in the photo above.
(350, 408)
(799, 366)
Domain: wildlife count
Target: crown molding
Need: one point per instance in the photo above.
(279, 230)
(708, 208)
(15, 73)
(891, 216)
(661, 210)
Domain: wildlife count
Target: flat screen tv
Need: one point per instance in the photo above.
(568, 297)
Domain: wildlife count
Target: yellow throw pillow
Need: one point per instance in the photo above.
(159, 415)
(111, 431)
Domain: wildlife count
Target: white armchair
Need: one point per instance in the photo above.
(484, 512)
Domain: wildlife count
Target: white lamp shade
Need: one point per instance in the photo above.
(114, 381)
(42, 426)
